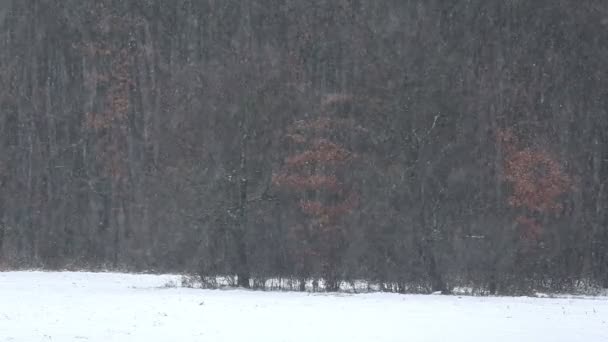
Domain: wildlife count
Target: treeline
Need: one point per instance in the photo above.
(425, 144)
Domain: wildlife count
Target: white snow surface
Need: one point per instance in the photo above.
(82, 306)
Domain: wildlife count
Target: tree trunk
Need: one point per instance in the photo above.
(437, 283)
(243, 274)
(492, 285)
(1, 241)
(243, 267)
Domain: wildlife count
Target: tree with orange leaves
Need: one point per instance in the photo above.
(537, 181)
(109, 77)
(314, 174)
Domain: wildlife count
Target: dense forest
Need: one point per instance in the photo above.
(420, 145)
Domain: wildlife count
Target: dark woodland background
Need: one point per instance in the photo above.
(418, 144)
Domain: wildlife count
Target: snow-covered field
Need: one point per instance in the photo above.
(66, 306)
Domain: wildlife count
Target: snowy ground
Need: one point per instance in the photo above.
(45, 306)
